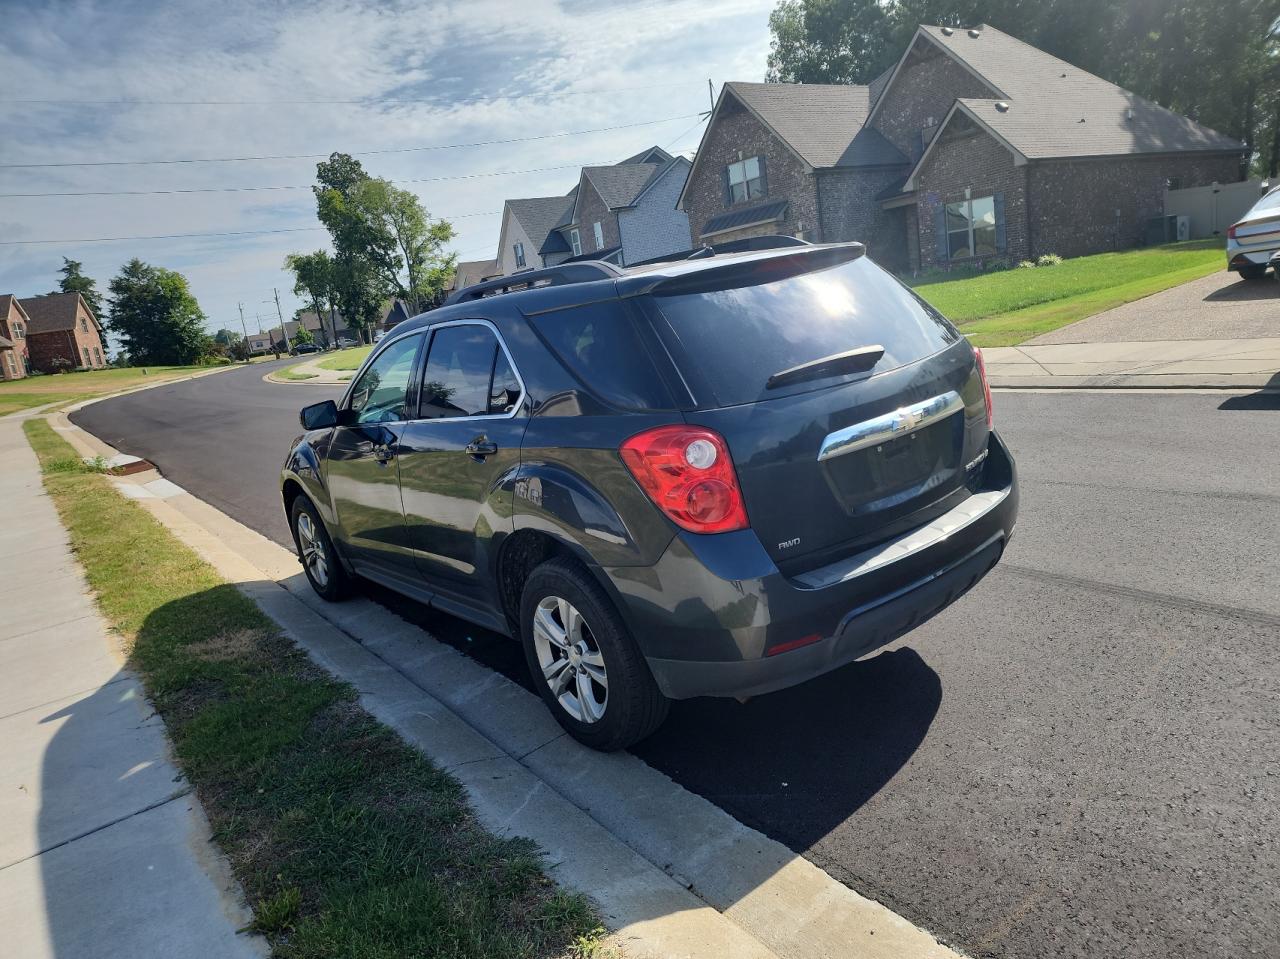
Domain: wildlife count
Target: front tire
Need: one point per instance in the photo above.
(316, 553)
(584, 663)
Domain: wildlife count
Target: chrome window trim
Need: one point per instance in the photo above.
(502, 345)
(880, 429)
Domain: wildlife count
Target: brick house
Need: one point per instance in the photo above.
(62, 327)
(623, 213)
(975, 146)
(15, 362)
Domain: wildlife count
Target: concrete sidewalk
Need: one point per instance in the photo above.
(104, 852)
(1150, 364)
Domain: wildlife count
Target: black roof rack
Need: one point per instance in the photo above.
(583, 272)
(773, 241)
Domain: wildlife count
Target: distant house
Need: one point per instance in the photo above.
(975, 146)
(259, 343)
(63, 332)
(14, 360)
(397, 313)
(471, 272)
(320, 331)
(623, 213)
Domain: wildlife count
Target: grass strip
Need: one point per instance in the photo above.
(346, 360)
(62, 388)
(289, 373)
(1008, 307)
(347, 842)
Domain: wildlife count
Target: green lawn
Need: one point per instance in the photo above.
(348, 842)
(289, 373)
(346, 359)
(72, 387)
(1006, 308)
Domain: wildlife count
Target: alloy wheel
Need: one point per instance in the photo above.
(312, 550)
(570, 659)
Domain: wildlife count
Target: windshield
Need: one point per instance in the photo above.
(729, 342)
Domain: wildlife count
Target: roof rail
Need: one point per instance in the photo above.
(773, 241)
(560, 275)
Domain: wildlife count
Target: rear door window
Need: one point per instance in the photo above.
(467, 373)
(728, 342)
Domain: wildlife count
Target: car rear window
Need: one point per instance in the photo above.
(601, 346)
(729, 342)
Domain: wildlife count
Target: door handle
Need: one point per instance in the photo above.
(482, 446)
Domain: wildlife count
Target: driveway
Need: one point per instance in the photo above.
(1217, 307)
(1078, 759)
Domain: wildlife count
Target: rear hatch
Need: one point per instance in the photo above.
(834, 457)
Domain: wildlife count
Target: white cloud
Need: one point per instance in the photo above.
(480, 71)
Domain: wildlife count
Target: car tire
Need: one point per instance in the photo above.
(316, 552)
(1253, 271)
(607, 660)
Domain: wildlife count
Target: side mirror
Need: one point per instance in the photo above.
(319, 416)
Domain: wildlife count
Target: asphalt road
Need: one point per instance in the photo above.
(1080, 758)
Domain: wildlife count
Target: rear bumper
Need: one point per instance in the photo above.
(715, 617)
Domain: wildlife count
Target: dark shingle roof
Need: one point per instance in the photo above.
(1057, 110)
(655, 154)
(539, 215)
(6, 343)
(554, 243)
(821, 121)
(619, 185)
(55, 311)
(762, 213)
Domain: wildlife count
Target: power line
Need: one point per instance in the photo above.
(301, 186)
(163, 236)
(322, 156)
(363, 101)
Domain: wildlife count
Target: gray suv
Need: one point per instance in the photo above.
(713, 476)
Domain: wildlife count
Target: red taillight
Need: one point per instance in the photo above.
(687, 472)
(986, 383)
(1231, 231)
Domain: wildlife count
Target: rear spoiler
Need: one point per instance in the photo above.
(733, 274)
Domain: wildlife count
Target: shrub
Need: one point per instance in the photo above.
(214, 361)
(61, 364)
(1049, 259)
(997, 264)
(1026, 265)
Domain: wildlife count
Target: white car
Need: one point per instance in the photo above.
(1255, 239)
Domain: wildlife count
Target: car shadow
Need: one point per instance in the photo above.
(805, 758)
(1267, 398)
(1246, 290)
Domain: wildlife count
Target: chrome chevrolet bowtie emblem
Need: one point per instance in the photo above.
(906, 420)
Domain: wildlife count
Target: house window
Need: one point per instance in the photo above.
(971, 228)
(97, 356)
(745, 179)
(87, 361)
(13, 367)
(599, 235)
(19, 331)
(575, 241)
(519, 250)
(84, 325)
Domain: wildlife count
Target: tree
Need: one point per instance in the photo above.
(155, 316)
(1216, 63)
(74, 281)
(313, 277)
(225, 337)
(303, 335)
(385, 243)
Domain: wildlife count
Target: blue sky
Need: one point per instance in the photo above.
(425, 74)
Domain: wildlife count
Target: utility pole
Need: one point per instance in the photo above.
(247, 351)
(283, 331)
(711, 93)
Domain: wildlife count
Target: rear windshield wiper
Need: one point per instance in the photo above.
(837, 364)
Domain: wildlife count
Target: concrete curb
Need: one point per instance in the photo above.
(673, 874)
(47, 407)
(1261, 382)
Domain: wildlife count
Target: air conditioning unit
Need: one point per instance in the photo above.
(1168, 229)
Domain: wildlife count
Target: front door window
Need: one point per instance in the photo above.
(380, 394)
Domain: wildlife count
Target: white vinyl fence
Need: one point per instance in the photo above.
(1212, 208)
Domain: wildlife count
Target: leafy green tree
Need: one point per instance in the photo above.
(356, 289)
(225, 337)
(155, 316)
(313, 277)
(74, 281)
(303, 335)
